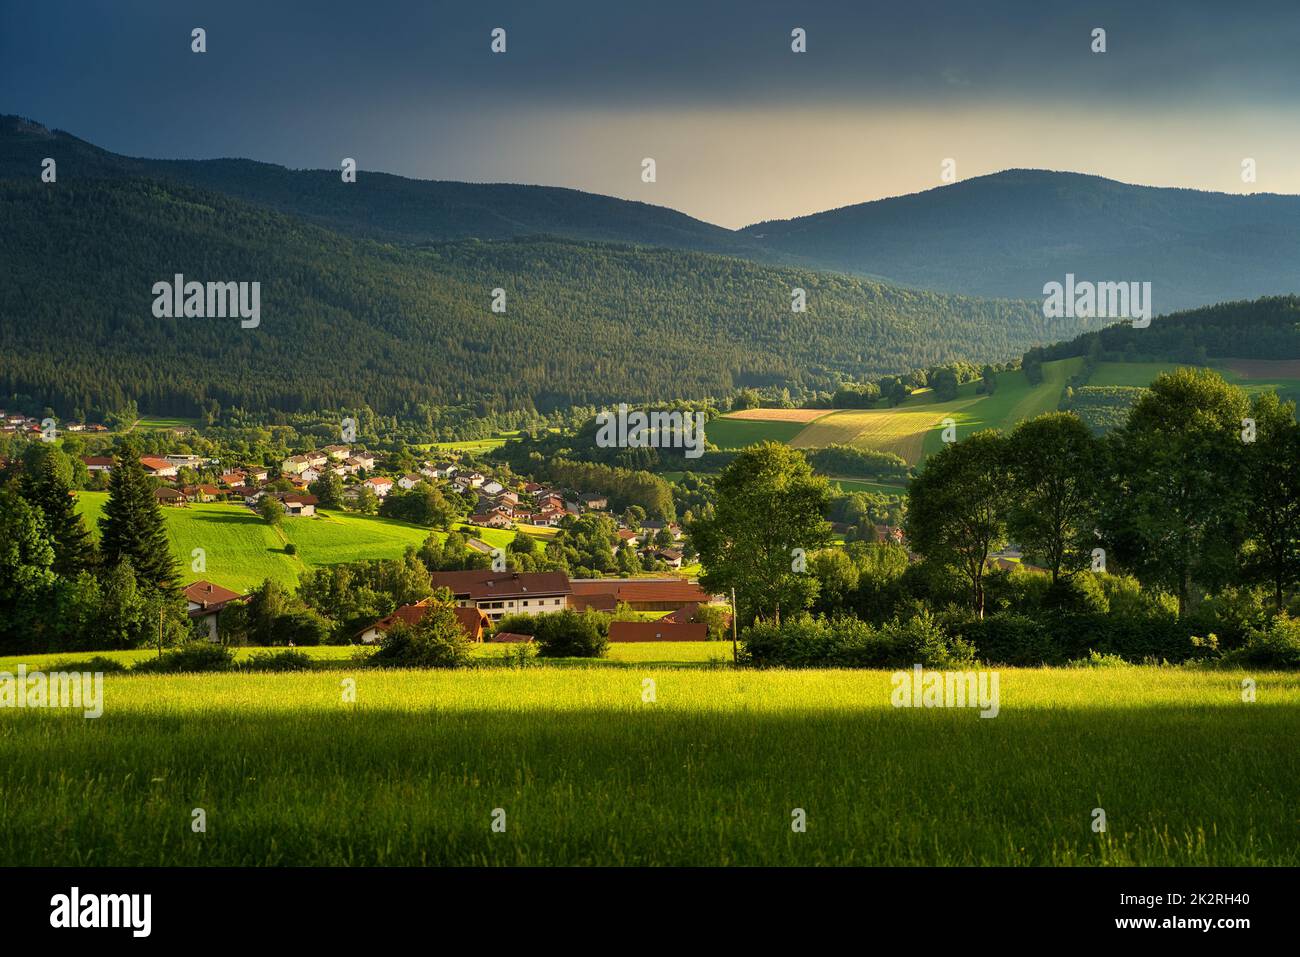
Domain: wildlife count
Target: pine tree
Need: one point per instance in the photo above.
(132, 526)
(45, 485)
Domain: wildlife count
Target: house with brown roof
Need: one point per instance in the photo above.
(159, 468)
(302, 506)
(505, 593)
(205, 601)
(491, 520)
(475, 623)
(98, 463)
(642, 594)
(168, 496)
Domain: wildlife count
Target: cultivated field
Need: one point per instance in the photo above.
(779, 415)
(899, 430)
(913, 429)
(587, 772)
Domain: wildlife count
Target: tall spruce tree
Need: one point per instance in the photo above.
(132, 525)
(45, 485)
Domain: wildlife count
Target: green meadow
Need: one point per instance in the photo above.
(241, 550)
(728, 433)
(588, 770)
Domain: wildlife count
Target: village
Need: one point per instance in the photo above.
(664, 608)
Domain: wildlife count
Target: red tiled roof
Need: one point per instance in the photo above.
(597, 602)
(97, 460)
(657, 631)
(152, 462)
(206, 595)
(480, 584)
(632, 589)
(684, 614)
(471, 619)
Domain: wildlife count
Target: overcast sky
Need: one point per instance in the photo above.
(741, 128)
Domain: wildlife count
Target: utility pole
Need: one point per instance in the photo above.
(735, 658)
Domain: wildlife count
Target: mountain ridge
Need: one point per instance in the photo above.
(1000, 235)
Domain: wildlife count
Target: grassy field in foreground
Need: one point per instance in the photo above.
(667, 653)
(587, 772)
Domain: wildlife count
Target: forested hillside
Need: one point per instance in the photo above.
(1268, 328)
(347, 322)
(1009, 233)
(380, 205)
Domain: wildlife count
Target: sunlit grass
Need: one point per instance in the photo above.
(588, 770)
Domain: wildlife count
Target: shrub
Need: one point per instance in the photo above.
(301, 626)
(96, 664)
(921, 640)
(193, 656)
(1097, 660)
(804, 641)
(522, 654)
(290, 549)
(517, 624)
(1277, 646)
(278, 661)
(568, 634)
(1010, 639)
(435, 641)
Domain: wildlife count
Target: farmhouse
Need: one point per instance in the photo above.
(491, 520)
(472, 620)
(503, 593)
(168, 496)
(159, 468)
(640, 594)
(98, 463)
(204, 602)
(299, 505)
